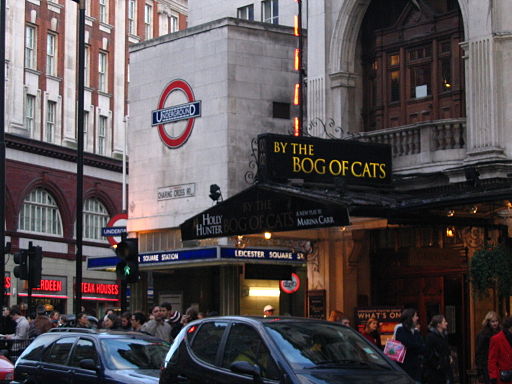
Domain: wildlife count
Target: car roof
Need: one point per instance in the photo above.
(102, 333)
(264, 320)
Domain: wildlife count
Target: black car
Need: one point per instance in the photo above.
(85, 356)
(275, 350)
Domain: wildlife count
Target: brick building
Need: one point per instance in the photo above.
(41, 136)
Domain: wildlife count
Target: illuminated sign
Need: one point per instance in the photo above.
(176, 134)
(323, 161)
(100, 290)
(50, 286)
(116, 226)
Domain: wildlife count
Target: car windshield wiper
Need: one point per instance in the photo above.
(344, 363)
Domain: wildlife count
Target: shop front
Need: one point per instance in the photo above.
(100, 295)
(52, 293)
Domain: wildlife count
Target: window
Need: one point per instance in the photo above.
(30, 47)
(103, 11)
(87, 66)
(132, 14)
(245, 344)
(40, 214)
(270, 11)
(95, 217)
(30, 113)
(102, 72)
(148, 21)
(59, 351)
(51, 121)
(173, 24)
(86, 129)
(421, 81)
(51, 52)
(84, 349)
(207, 340)
(88, 8)
(246, 13)
(102, 130)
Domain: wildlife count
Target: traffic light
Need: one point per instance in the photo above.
(128, 268)
(35, 265)
(21, 270)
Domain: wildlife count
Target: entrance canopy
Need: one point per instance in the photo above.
(266, 208)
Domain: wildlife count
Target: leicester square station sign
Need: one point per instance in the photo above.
(323, 161)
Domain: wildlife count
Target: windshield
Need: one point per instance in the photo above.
(134, 353)
(323, 345)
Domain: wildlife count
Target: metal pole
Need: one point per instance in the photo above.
(125, 144)
(3, 31)
(29, 261)
(301, 70)
(80, 155)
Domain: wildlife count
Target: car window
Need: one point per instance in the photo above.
(312, 344)
(245, 344)
(35, 350)
(84, 349)
(59, 351)
(131, 353)
(207, 340)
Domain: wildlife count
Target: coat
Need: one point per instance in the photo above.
(483, 340)
(437, 367)
(500, 355)
(413, 341)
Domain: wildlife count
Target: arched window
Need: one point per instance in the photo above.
(412, 63)
(95, 217)
(40, 214)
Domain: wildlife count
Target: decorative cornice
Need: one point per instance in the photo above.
(62, 153)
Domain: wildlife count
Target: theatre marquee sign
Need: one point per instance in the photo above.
(323, 161)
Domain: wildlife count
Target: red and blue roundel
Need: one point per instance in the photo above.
(175, 122)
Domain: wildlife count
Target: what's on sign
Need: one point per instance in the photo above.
(323, 161)
(176, 112)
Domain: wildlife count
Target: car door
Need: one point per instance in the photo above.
(200, 366)
(244, 343)
(85, 349)
(54, 364)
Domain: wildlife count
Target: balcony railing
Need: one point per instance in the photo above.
(423, 145)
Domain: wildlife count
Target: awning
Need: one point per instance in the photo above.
(267, 207)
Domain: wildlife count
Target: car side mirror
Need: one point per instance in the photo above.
(88, 364)
(246, 368)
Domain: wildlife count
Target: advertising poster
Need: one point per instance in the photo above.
(388, 318)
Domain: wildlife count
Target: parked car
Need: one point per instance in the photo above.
(6, 370)
(243, 350)
(80, 356)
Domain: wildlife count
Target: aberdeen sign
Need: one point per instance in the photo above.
(167, 118)
(323, 161)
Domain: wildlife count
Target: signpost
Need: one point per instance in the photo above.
(290, 286)
(115, 228)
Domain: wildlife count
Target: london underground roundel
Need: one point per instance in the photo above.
(290, 286)
(176, 113)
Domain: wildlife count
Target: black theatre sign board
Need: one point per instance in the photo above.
(315, 160)
(258, 210)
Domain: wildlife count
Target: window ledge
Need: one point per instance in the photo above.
(106, 94)
(53, 77)
(34, 71)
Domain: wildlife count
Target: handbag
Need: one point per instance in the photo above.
(506, 376)
(395, 350)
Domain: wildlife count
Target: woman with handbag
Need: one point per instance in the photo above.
(490, 327)
(500, 354)
(437, 368)
(409, 335)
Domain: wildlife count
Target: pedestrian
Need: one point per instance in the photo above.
(189, 316)
(7, 325)
(268, 310)
(41, 324)
(126, 321)
(345, 321)
(437, 364)
(335, 316)
(111, 322)
(173, 319)
(409, 335)
(371, 332)
(137, 321)
(22, 325)
(490, 327)
(158, 327)
(500, 354)
(82, 321)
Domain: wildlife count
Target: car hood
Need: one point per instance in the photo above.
(335, 376)
(133, 376)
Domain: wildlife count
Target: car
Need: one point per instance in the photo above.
(85, 356)
(6, 370)
(239, 350)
